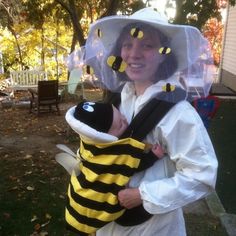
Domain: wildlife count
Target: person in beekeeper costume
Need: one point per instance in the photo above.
(140, 57)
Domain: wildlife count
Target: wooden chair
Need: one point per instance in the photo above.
(45, 97)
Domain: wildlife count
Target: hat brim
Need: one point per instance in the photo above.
(112, 26)
(86, 132)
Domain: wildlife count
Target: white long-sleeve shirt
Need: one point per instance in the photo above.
(186, 174)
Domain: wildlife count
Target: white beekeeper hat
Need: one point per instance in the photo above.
(190, 49)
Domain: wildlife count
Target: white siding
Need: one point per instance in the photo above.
(228, 65)
(229, 54)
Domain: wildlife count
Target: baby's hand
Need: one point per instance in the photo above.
(158, 150)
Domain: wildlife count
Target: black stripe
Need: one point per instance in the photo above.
(135, 34)
(93, 204)
(98, 186)
(112, 169)
(116, 64)
(164, 50)
(134, 216)
(88, 69)
(84, 219)
(125, 149)
(168, 88)
(72, 229)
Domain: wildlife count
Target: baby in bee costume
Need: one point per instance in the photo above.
(105, 167)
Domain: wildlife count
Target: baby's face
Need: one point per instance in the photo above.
(119, 123)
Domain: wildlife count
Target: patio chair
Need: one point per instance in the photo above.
(45, 97)
(207, 108)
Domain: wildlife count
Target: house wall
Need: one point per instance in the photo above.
(228, 66)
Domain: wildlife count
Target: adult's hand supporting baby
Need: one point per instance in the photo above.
(129, 198)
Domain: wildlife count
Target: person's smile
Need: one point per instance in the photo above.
(136, 66)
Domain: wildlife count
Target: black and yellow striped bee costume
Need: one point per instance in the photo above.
(106, 169)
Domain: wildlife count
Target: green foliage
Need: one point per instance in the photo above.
(196, 13)
(44, 31)
(36, 202)
(34, 43)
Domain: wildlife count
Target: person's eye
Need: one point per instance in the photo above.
(126, 45)
(148, 46)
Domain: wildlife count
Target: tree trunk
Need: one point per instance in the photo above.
(18, 47)
(42, 51)
(180, 16)
(56, 49)
(111, 9)
(78, 32)
(73, 42)
(75, 22)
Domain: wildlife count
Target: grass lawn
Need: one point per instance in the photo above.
(32, 185)
(32, 197)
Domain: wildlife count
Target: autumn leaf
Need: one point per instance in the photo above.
(6, 215)
(48, 216)
(46, 223)
(30, 188)
(13, 188)
(34, 218)
(13, 178)
(28, 173)
(37, 227)
(28, 156)
(43, 233)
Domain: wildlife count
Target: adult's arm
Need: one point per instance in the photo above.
(191, 150)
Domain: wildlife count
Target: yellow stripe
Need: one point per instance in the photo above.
(85, 152)
(92, 194)
(106, 178)
(125, 141)
(81, 227)
(91, 213)
(113, 159)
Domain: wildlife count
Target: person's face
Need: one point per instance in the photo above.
(119, 123)
(142, 57)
